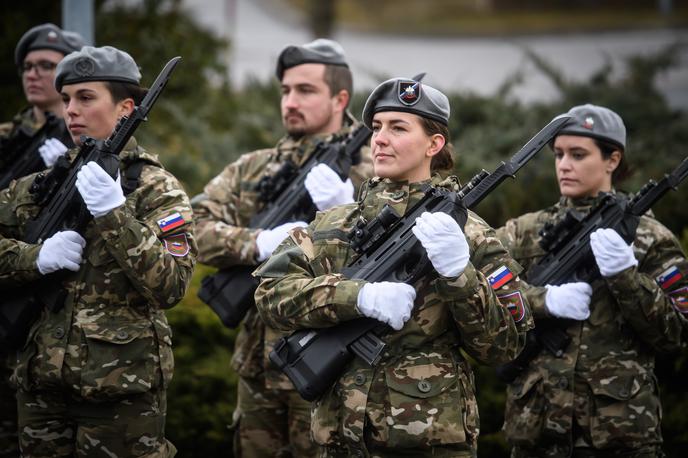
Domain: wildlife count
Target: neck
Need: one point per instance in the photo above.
(39, 112)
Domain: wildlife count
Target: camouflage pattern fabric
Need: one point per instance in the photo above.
(110, 342)
(420, 399)
(601, 396)
(278, 423)
(9, 442)
(24, 121)
(222, 215)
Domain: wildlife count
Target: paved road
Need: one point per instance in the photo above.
(259, 29)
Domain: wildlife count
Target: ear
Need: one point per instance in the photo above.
(341, 101)
(125, 107)
(437, 142)
(613, 161)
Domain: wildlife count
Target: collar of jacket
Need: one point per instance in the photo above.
(300, 149)
(582, 203)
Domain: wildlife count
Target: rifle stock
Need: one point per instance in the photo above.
(314, 359)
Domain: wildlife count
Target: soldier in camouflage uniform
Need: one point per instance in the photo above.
(271, 419)
(419, 400)
(37, 54)
(92, 374)
(600, 398)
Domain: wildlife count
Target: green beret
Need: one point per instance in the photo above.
(408, 95)
(97, 64)
(596, 122)
(46, 36)
(320, 51)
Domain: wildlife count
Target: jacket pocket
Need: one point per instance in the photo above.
(121, 359)
(426, 405)
(525, 409)
(626, 411)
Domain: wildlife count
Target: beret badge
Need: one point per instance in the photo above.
(84, 66)
(409, 92)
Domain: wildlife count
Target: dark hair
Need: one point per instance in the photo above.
(444, 160)
(623, 170)
(338, 77)
(121, 91)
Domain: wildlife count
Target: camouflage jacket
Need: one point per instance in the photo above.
(24, 121)
(111, 337)
(421, 394)
(605, 381)
(222, 216)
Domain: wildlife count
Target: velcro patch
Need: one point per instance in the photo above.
(668, 277)
(500, 277)
(514, 303)
(680, 299)
(171, 222)
(176, 245)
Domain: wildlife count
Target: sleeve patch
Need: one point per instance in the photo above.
(500, 277)
(171, 222)
(680, 299)
(668, 277)
(514, 303)
(176, 245)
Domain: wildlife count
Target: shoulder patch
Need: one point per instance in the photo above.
(514, 303)
(500, 277)
(176, 245)
(668, 277)
(171, 222)
(679, 298)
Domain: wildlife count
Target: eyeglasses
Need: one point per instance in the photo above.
(42, 67)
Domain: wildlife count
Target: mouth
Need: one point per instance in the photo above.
(76, 127)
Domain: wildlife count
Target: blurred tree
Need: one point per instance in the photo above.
(321, 17)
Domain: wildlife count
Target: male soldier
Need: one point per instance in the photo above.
(37, 54)
(271, 419)
(93, 372)
(599, 398)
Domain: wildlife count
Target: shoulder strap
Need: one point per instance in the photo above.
(130, 179)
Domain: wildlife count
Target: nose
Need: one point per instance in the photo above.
(290, 100)
(379, 137)
(564, 163)
(70, 108)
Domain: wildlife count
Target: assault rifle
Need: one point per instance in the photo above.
(22, 149)
(62, 208)
(229, 292)
(569, 257)
(313, 359)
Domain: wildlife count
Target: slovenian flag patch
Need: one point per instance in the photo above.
(500, 277)
(514, 303)
(173, 221)
(668, 277)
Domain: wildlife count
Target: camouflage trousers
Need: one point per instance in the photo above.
(9, 442)
(271, 423)
(59, 424)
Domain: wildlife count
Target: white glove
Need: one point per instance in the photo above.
(443, 240)
(612, 253)
(570, 300)
(101, 193)
(51, 150)
(327, 190)
(388, 302)
(269, 239)
(61, 251)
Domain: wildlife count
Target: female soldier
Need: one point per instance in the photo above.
(93, 372)
(600, 398)
(419, 400)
